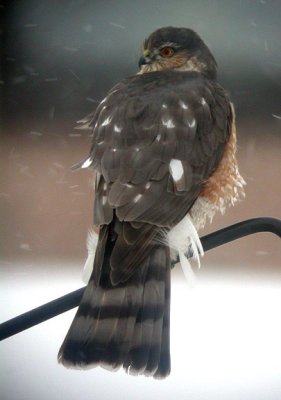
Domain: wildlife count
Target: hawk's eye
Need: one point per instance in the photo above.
(167, 52)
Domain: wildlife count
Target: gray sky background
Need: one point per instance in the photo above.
(59, 58)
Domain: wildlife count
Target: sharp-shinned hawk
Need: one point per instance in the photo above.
(163, 149)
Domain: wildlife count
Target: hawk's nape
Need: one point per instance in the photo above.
(163, 149)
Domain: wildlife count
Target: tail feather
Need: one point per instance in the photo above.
(162, 328)
(164, 365)
(146, 346)
(126, 324)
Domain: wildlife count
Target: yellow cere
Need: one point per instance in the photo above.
(146, 53)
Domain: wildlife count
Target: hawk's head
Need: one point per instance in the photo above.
(177, 48)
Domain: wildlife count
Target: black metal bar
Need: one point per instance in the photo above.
(71, 300)
(241, 229)
(40, 314)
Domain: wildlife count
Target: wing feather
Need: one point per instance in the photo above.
(145, 123)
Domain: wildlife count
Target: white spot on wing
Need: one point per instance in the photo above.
(117, 128)
(192, 123)
(164, 105)
(176, 169)
(203, 101)
(86, 163)
(183, 105)
(169, 123)
(106, 121)
(102, 110)
(158, 137)
(137, 198)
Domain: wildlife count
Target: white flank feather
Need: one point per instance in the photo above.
(92, 241)
(84, 125)
(184, 238)
(87, 163)
(176, 169)
(187, 270)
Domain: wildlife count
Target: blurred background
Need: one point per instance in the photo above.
(58, 60)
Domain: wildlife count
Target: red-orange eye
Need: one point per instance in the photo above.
(167, 52)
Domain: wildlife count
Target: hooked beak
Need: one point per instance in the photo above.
(144, 60)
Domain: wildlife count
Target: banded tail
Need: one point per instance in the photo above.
(126, 323)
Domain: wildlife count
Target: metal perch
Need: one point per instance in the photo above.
(71, 300)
